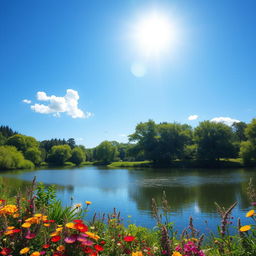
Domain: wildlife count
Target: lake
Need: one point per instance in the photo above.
(190, 192)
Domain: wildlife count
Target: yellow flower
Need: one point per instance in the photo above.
(250, 213)
(46, 224)
(44, 217)
(54, 234)
(11, 227)
(24, 250)
(15, 215)
(38, 215)
(78, 205)
(245, 228)
(8, 209)
(35, 254)
(59, 229)
(176, 254)
(70, 225)
(88, 202)
(61, 248)
(92, 235)
(26, 225)
(59, 226)
(139, 253)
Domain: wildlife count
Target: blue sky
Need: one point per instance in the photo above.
(88, 47)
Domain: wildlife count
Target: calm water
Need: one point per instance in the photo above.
(190, 192)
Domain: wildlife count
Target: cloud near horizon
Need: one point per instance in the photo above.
(225, 120)
(67, 104)
(193, 117)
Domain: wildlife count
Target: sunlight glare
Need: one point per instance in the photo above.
(154, 34)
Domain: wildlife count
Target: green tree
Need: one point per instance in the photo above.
(11, 158)
(248, 148)
(106, 152)
(146, 137)
(2, 139)
(173, 138)
(22, 142)
(214, 141)
(77, 155)
(239, 131)
(34, 155)
(59, 154)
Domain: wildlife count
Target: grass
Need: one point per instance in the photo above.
(131, 164)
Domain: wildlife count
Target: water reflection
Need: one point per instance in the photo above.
(189, 192)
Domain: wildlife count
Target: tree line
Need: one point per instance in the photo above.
(161, 143)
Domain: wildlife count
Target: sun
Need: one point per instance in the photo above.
(154, 34)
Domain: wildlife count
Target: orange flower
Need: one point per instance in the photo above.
(35, 254)
(176, 254)
(88, 202)
(139, 253)
(250, 213)
(61, 248)
(245, 228)
(24, 250)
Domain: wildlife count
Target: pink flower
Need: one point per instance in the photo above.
(70, 239)
(30, 235)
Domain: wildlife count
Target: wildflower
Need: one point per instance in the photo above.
(8, 209)
(70, 239)
(129, 238)
(59, 229)
(78, 205)
(78, 221)
(24, 250)
(81, 227)
(250, 213)
(35, 254)
(175, 253)
(45, 246)
(87, 242)
(47, 224)
(12, 231)
(99, 248)
(70, 225)
(88, 202)
(26, 225)
(61, 248)
(139, 253)
(15, 215)
(5, 251)
(55, 239)
(30, 235)
(92, 235)
(245, 228)
(55, 233)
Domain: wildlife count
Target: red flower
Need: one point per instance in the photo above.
(88, 249)
(81, 227)
(5, 251)
(129, 238)
(45, 246)
(16, 230)
(78, 221)
(98, 247)
(103, 242)
(51, 221)
(55, 239)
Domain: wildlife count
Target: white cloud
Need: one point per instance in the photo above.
(193, 117)
(225, 120)
(26, 101)
(67, 104)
